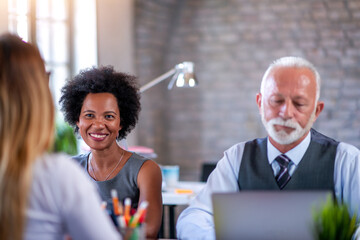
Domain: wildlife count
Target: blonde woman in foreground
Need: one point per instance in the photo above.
(42, 195)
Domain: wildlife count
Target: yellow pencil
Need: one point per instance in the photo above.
(183, 191)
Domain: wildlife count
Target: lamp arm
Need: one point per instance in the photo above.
(157, 80)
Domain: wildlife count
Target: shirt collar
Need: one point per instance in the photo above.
(294, 154)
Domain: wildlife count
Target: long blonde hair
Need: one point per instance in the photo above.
(26, 128)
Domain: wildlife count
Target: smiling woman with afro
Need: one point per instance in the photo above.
(103, 106)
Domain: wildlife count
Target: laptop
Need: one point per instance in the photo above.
(266, 214)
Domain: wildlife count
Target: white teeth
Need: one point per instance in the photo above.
(97, 135)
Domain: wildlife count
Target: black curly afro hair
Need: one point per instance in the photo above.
(102, 80)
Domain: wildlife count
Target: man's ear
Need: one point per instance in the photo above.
(258, 101)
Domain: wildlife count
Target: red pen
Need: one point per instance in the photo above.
(140, 214)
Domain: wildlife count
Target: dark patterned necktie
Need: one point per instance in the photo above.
(283, 175)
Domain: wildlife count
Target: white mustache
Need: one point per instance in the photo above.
(286, 123)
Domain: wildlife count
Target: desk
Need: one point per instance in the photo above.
(171, 199)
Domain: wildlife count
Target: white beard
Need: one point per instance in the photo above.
(282, 137)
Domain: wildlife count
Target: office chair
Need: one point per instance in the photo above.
(207, 168)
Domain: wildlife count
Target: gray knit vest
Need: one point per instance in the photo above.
(314, 172)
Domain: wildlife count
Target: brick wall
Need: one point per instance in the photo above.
(231, 43)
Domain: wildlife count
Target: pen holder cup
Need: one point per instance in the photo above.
(129, 233)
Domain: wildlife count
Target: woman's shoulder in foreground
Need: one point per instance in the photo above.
(69, 199)
(57, 163)
(58, 173)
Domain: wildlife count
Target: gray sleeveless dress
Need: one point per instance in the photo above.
(125, 182)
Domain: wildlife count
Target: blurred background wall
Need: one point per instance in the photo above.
(231, 43)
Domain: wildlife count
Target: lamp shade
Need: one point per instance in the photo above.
(182, 76)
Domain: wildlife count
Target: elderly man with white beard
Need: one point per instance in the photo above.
(293, 157)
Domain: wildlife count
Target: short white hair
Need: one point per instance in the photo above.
(292, 62)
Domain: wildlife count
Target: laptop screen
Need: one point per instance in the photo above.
(266, 214)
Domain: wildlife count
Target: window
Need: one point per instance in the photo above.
(46, 23)
(50, 24)
(19, 21)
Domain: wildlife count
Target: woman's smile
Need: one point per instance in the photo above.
(97, 136)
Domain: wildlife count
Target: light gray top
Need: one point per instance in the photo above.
(63, 201)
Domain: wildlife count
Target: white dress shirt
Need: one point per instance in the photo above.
(196, 221)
